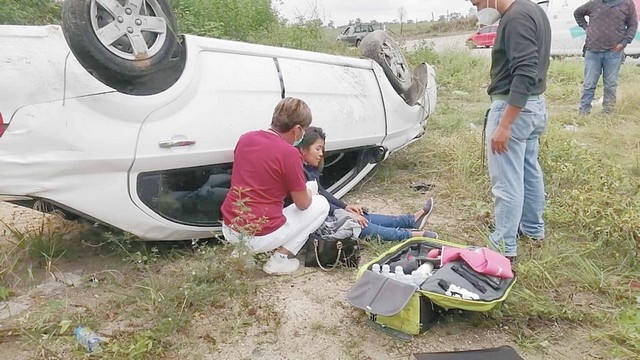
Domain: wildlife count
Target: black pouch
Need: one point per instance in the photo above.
(328, 253)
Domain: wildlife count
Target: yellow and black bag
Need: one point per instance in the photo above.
(411, 308)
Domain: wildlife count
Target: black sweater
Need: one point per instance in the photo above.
(521, 51)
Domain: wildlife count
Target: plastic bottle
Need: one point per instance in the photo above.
(425, 269)
(375, 268)
(399, 272)
(386, 270)
(87, 338)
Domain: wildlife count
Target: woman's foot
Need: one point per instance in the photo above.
(423, 215)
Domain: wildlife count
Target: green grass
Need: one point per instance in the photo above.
(581, 275)
(584, 277)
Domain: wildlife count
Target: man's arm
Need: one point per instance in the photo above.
(302, 199)
(632, 24)
(580, 13)
(500, 138)
(522, 51)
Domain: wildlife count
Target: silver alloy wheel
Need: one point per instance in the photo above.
(381, 48)
(396, 63)
(130, 29)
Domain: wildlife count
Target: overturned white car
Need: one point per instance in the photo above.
(128, 124)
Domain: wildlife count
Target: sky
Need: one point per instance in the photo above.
(341, 11)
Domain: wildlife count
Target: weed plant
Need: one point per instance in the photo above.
(44, 242)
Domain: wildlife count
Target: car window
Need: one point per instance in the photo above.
(370, 28)
(190, 196)
(358, 29)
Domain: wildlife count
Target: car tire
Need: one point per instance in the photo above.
(113, 45)
(381, 48)
(358, 41)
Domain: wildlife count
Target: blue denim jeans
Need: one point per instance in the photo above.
(596, 63)
(516, 176)
(388, 227)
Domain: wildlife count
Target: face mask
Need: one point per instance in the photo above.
(488, 16)
(296, 143)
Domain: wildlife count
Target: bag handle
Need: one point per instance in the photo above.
(315, 248)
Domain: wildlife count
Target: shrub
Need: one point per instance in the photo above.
(31, 12)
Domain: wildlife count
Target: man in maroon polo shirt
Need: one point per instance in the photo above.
(267, 169)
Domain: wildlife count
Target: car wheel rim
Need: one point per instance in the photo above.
(130, 29)
(395, 62)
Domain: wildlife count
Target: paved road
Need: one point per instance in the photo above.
(445, 43)
(459, 42)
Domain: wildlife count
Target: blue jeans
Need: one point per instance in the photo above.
(388, 227)
(516, 176)
(606, 63)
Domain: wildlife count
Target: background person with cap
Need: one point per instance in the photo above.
(517, 118)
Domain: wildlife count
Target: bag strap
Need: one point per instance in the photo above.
(338, 245)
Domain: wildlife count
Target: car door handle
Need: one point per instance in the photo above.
(165, 144)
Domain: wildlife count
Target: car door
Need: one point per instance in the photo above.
(343, 95)
(181, 170)
(344, 35)
(353, 35)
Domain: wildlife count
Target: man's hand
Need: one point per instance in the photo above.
(618, 48)
(500, 140)
(356, 209)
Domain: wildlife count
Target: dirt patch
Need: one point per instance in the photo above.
(300, 316)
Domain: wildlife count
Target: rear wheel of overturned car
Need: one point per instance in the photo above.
(121, 41)
(381, 48)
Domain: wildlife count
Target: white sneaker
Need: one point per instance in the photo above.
(281, 266)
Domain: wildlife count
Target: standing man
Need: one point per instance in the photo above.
(517, 118)
(611, 27)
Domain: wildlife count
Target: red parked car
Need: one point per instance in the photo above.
(483, 37)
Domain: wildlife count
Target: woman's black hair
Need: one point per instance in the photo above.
(311, 135)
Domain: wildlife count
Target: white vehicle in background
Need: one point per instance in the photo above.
(128, 124)
(567, 38)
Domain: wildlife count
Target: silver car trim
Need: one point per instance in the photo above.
(165, 144)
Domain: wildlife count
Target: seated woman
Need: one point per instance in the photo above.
(385, 227)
